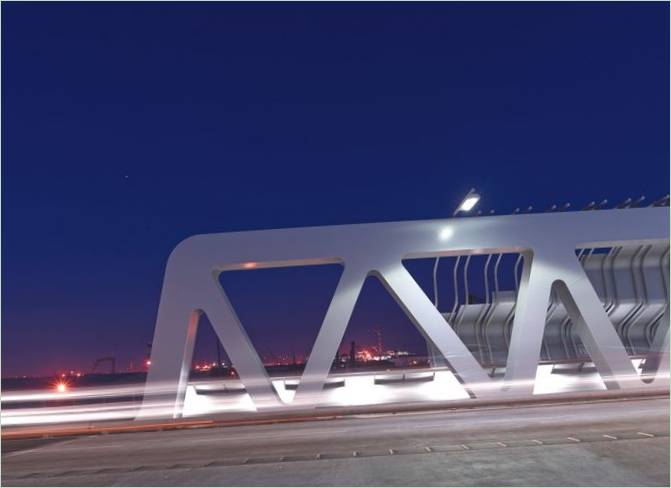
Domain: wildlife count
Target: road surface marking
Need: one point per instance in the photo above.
(573, 439)
(540, 443)
(501, 444)
(610, 437)
(645, 434)
(428, 449)
(465, 447)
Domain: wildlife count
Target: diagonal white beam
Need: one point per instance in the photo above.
(239, 347)
(528, 326)
(429, 320)
(596, 331)
(563, 270)
(330, 335)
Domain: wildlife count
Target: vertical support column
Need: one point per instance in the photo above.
(191, 332)
(173, 343)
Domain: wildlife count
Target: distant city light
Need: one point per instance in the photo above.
(61, 387)
(249, 265)
(148, 362)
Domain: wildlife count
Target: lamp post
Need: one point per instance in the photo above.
(467, 204)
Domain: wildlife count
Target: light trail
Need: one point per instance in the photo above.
(211, 398)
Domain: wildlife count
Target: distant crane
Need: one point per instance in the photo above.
(107, 359)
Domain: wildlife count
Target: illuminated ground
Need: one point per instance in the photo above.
(44, 407)
(607, 443)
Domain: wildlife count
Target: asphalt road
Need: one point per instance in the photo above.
(605, 443)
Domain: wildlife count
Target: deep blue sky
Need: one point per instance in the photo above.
(128, 127)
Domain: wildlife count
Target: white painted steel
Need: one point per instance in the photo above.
(547, 242)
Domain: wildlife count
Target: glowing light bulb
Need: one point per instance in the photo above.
(469, 203)
(446, 233)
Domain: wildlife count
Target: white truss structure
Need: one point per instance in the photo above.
(548, 242)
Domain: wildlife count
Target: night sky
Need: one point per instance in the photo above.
(128, 127)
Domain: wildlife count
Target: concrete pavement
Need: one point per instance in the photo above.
(604, 443)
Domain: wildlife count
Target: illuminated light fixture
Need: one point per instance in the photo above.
(470, 200)
(446, 233)
(61, 387)
(468, 204)
(148, 362)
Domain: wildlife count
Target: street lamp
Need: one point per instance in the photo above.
(470, 200)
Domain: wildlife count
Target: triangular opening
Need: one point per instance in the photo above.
(632, 283)
(476, 294)
(565, 365)
(213, 385)
(383, 357)
(209, 358)
(282, 310)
